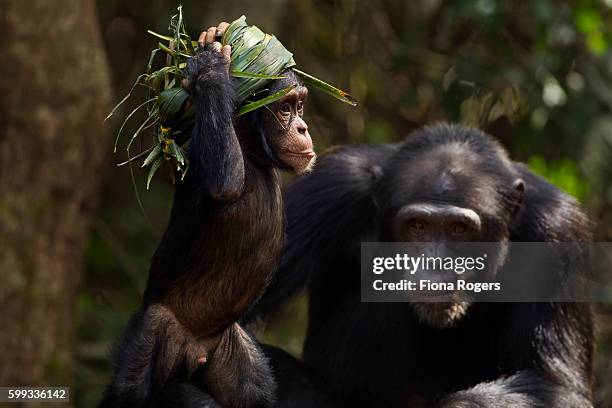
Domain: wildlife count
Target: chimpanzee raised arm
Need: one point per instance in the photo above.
(223, 240)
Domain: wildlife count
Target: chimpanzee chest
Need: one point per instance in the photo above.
(241, 241)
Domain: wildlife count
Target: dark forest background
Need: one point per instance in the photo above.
(74, 244)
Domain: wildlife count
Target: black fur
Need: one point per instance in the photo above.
(214, 150)
(223, 240)
(297, 385)
(380, 354)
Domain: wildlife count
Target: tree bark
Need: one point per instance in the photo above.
(54, 93)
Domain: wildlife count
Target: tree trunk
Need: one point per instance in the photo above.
(54, 90)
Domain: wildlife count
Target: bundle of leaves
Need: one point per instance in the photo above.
(256, 59)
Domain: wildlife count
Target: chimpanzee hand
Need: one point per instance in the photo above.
(211, 61)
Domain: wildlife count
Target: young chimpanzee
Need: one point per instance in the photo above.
(223, 240)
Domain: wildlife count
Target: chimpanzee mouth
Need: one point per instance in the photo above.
(309, 153)
(440, 315)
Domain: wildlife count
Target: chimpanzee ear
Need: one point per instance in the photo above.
(519, 186)
(376, 173)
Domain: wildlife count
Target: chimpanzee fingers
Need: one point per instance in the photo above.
(202, 39)
(227, 52)
(207, 37)
(221, 27)
(210, 35)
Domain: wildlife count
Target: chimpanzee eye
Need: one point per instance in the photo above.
(285, 108)
(416, 226)
(458, 228)
(300, 107)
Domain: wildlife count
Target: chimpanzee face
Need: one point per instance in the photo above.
(447, 195)
(286, 130)
(425, 222)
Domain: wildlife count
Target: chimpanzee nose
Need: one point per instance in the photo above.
(302, 127)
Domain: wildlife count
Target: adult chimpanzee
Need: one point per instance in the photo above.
(223, 240)
(431, 354)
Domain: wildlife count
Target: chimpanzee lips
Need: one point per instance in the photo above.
(304, 153)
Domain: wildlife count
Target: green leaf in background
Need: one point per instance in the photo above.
(563, 173)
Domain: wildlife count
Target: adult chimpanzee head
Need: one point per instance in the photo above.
(283, 132)
(448, 184)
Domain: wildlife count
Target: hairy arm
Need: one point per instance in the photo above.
(214, 151)
(547, 347)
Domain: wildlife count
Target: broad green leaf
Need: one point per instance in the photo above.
(171, 102)
(233, 31)
(255, 52)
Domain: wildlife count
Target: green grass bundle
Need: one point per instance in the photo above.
(256, 59)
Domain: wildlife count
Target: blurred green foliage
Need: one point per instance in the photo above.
(563, 173)
(536, 75)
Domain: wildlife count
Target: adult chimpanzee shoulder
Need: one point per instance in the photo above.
(223, 240)
(445, 182)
